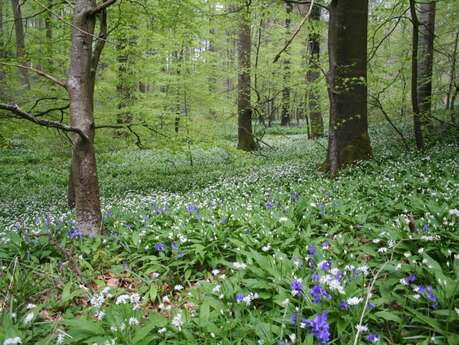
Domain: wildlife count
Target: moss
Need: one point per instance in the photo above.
(359, 149)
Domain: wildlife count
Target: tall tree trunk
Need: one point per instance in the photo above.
(426, 16)
(417, 122)
(49, 39)
(83, 64)
(285, 117)
(452, 78)
(312, 77)
(348, 139)
(2, 51)
(246, 141)
(20, 42)
(212, 80)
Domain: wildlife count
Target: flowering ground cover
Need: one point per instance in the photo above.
(239, 249)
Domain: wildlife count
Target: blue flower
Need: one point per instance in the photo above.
(322, 209)
(312, 250)
(191, 208)
(174, 245)
(319, 327)
(344, 305)
(269, 205)
(295, 197)
(326, 265)
(315, 277)
(326, 245)
(311, 263)
(317, 293)
(425, 227)
(239, 298)
(75, 233)
(372, 338)
(159, 247)
(294, 318)
(297, 287)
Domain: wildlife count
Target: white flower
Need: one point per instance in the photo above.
(162, 330)
(354, 300)
(215, 272)
(266, 248)
(177, 321)
(155, 275)
(30, 306)
(122, 299)
(239, 265)
(97, 301)
(100, 315)
(217, 288)
(454, 212)
(421, 250)
(285, 302)
(361, 328)
(292, 337)
(133, 321)
(60, 338)
(382, 250)
(12, 341)
(457, 311)
(178, 287)
(283, 219)
(28, 318)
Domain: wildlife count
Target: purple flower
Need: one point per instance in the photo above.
(317, 293)
(326, 245)
(315, 277)
(322, 209)
(410, 279)
(344, 305)
(174, 245)
(269, 205)
(239, 298)
(319, 327)
(75, 233)
(294, 318)
(312, 250)
(191, 208)
(295, 197)
(297, 287)
(311, 263)
(425, 227)
(159, 247)
(372, 338)
(326, 265)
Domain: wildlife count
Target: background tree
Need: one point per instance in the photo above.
(20, 42)
(285, 115)
(347, 46)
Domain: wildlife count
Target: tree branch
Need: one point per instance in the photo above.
(295, 33)
(39, 72)
(14, 108)
(101, 7)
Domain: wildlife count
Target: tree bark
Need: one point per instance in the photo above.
(426, 16)
(452, 79)
(312, 76)
(246, 141)
(417, 122)
(20, 42)
(49, 39)
(83, 64)
(285, 117)
(349, 141)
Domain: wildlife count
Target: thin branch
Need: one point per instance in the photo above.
(101, 7)
(39, 72)
(295, 33)
(306, 3)
(14, 108)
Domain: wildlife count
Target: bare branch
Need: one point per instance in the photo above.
(14, 108)
(101, 7)
(295, 33)
(39, 72)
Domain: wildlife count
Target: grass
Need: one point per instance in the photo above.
(221, 252)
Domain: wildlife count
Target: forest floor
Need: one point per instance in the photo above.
(236, 249)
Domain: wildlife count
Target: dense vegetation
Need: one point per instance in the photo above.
(243, 192)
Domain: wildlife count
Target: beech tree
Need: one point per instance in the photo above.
(347, 83)
(285, 114)
(246, 141)
(20, 42)
(313, 96)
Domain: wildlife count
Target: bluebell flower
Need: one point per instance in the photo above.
(371, 306)
(181, 254)
(319, 327)
(294, 318)
(322, 209)
(311, 263)
(75, 233)
(344, 305)
(146, 218)
(297, 287)
(410, 279)
(239, 298)
(315, 277)
(312, 250)
(174, 245)
(326, 245)
(317, 292)
(191, 208)
(159, 247)
(295, 197)
(326, 265)
(425, 227)
(372, 338)
(269, 205)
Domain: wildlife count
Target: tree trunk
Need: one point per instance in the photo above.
(285, 117)
(426, 16)
(81, 91)
(49, 39)
(246, 141)
(312, 77)
(20, 42)
(452, 78)
(417, 123)
(2, 51)
(348, 139)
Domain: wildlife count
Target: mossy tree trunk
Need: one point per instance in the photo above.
(246, 141)
(312, 76)
(348, 138)
(20, 42)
